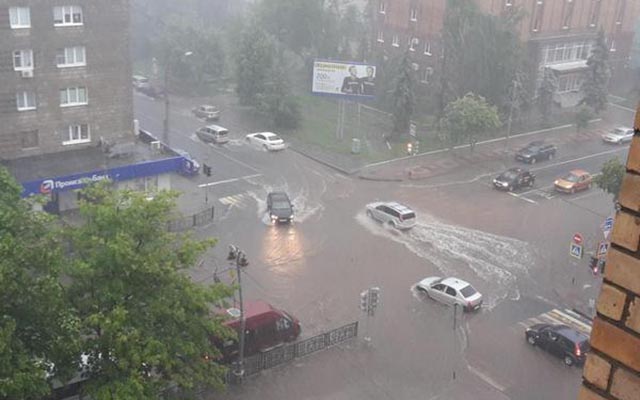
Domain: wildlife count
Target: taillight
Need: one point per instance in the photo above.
(578, 352)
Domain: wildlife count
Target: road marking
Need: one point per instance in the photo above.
(590, 194)
(233, 200)
(623, 107)
(561, 317)
(579, 159)
(522, 198)
(202, 185)
(233, 159)
(486, 378)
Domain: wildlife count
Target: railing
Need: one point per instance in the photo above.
(291, 351)
(182, 224)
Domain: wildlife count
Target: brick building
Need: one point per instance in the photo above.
(65, 75)
(612, 370)
(558, 34)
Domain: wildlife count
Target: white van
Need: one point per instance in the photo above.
(140, 81)
(213, 134)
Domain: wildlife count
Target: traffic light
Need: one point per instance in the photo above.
(364, 301)
(374, 299)
(206, 169)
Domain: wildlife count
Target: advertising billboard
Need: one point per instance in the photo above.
(340, 78)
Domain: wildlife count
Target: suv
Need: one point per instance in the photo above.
(514, 178)
(536, 151)
(561, 341)
(213, 134)
(209, 113)
(392, 213)
(279, 207)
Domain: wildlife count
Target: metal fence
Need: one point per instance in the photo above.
(291, 351)
(182, 224)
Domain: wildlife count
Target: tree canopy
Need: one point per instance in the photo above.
(596, 82)
(468, 118)
(610, 178)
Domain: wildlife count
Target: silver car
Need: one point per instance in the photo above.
(451, 291)
(619, 135)
(392, 213)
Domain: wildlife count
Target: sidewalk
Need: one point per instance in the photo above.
(493, 152)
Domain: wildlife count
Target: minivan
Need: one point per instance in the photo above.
(392, 213)
(213, 134)
(265, 328)
(140, 81)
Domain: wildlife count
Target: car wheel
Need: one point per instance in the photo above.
(248, 140)
(532, 340)
(533, 160)
(423, 291)
(568, 361)
(573, 190)
(265, 147)
(531, 182)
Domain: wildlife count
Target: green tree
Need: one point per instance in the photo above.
(583, 116)
(467, 118)
(254, 61)
(144, 324)
(277, 102)
(37, 326)
(596, 82)
(544, 99)
(610, 178)
(403, 97)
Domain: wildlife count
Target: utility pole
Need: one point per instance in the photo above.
(240, 260)
(455, 339)
(510, 120)
(167, 72)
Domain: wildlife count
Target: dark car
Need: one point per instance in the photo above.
(536, 151)
(151, 92)
(279, 207)
(561, 341)
(514, 178)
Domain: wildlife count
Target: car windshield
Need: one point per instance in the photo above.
(280, 205)
(509, 175)
(468, 291)
(273, 138)
(619, 132)
(571, 177)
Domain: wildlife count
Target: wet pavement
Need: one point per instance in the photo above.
(513, 247)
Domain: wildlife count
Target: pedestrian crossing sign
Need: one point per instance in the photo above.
(575, 250)
(602, 249)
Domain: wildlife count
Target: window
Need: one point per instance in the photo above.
(394, 41)
(380, 37)
(71, 57)
(78, 134)
(509, 3)
(569, 83)
(412, 43)
(567, 13)
(620, 9)
(536, 19)
(26, 101)
(75, 96)
(413, 14)
(382, 7)
(427, 48)
(595, 13)
(612, 48)
(566, 52)
(451, 291)
(22, 60)
(29, 139)
(426, 74)
(67, 16)
(19, 17)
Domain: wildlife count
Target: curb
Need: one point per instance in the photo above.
(375, 179)
(323, 162)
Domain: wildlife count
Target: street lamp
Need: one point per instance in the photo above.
(167, 67)
(240, 260)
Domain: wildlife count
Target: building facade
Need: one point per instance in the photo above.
(65, 76)
(558, 34)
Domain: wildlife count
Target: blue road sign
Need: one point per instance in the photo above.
(575, 250)
(602, 249)
(607, 226)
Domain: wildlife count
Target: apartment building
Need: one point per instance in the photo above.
(558, 34)
(65, 76)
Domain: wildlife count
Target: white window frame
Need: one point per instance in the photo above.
(380, 37)
(25, 55)
(508, 3)
(67, 11)
(76, 130)
(75, 63)
(15, 17)
(72, 96)
(427, 48)
(23, 103)
(382, 7)
(612, 47)
(412, 43)
(413, 14)
(395, 41)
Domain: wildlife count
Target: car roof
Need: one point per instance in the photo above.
(216, 127)
(267, 134)
(570, 333)
(516, 170)
(622, 128)
(278, 194)
(398, 207)
(578, 172)
(207, 106)
(455, 283)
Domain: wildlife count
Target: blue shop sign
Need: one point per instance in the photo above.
(117, 174)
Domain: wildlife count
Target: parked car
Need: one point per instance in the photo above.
(392, 213)
(619, 135)
(279, 207)
(206, 112)
(140, 81)
(536, 151)
(574, 181)
(514, 178)
(151, 91)
(268, 140)
(213, 134)
(451, 291)
(266, 327)
(561, 341)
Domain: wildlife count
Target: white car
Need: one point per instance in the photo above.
(392, 213)
(268, 140)
(451, 291)
(619, 135)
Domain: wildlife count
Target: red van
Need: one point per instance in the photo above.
(266, 327)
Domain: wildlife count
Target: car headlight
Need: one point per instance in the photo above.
(504, 184)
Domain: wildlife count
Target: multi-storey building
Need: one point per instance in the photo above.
(65, 75)
(558, 34)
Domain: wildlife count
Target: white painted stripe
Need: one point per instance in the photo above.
(228, 180)
(572, 321)
(486, 378)
(522, 198)
(622, 107)
(549, 319)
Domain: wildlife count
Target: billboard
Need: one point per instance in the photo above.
(347, 79)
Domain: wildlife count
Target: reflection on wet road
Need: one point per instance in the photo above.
(282, 248)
